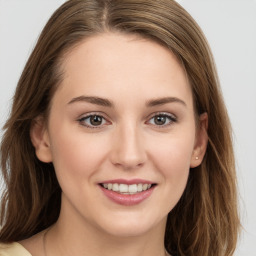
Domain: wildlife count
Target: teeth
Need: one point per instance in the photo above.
(115, 187)
(144, 186)
(127, 189)
(123, 188)
(133, 188)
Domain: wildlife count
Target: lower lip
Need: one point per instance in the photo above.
(127, 200)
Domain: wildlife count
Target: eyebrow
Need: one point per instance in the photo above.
(165, 100)
(94, 100)
(107, 103)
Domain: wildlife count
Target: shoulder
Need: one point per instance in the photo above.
(13, 249)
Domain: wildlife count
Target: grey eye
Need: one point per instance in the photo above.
(162, 119)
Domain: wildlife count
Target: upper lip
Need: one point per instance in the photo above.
(128, 182)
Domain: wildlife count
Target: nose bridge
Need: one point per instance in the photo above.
(128, 150)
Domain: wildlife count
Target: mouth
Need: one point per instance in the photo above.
(127, 189)
(127, 192)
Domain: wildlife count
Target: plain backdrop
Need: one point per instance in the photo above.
(229, 25)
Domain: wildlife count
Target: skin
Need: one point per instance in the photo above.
(129, 72)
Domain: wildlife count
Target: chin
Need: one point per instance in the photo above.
(128, 231)
(130, 226)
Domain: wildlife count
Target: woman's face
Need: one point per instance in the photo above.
(122, 120)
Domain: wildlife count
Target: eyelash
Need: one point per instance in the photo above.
(84, 118)
(172, 119)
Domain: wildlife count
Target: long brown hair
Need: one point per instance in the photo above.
(205, 220)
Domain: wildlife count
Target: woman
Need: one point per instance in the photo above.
(119, 140)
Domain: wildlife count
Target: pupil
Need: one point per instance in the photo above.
(160, 120)
(96, 120)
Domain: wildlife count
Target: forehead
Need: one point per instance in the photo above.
(107, 64)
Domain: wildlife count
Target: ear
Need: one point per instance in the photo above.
(201, 141)
(40, 140)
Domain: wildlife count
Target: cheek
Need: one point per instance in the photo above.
(76, 155)
(172, 159)
(173, 154)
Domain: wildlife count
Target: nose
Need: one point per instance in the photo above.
(128, 149)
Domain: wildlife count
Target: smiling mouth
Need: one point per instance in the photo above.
(126, 189)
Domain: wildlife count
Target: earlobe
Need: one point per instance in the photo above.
(200, 142)
(40, 140)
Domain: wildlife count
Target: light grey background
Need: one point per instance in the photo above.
(229, 25)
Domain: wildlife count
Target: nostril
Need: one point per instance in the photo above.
(128, 153)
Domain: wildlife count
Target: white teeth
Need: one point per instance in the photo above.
(139, 187)
(127, 189)
(144, 186)
(133, 188)
(115, 187)
(123, 188)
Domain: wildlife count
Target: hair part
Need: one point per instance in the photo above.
(205, 220)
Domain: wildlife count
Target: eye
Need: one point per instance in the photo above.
(93, 121)
(162, 119)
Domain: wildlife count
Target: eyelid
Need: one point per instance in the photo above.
(82, 117)
(172, 117)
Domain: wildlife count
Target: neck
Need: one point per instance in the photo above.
(78, 237)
